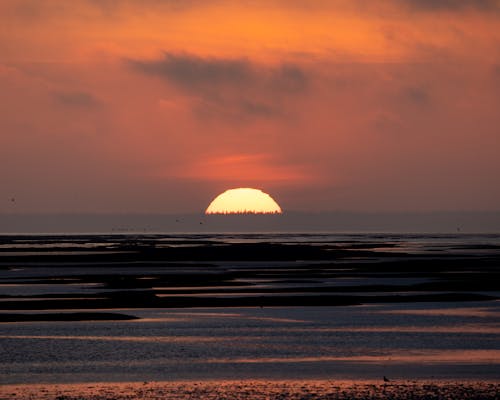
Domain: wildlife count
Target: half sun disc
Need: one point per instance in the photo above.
(243, 201)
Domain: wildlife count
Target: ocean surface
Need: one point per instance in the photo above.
(105, 308)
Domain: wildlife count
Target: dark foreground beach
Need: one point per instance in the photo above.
(256, 390)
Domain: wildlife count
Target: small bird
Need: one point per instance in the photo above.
(386, 379)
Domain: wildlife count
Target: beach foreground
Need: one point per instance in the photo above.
(257, 389)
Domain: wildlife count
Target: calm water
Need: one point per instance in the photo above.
(400, 341)
(406, 242)
(403, 340)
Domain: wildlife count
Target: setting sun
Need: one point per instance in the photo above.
(243, 201)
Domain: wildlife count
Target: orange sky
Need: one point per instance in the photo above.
(159, 105)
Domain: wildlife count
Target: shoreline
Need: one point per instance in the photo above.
(258, 389)
(187, 302)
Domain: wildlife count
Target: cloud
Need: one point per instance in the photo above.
(228, 88)
(258, 109)
(289, 78)
(76, 99)
(109, 6)
(452, 5)
(193, 73)
(236, 111)
(417, 95)
(35, 9)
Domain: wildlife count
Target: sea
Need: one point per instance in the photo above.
(199, 306)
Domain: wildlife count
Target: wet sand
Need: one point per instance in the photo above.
(111, 272)
(259, 389)
(71, 316)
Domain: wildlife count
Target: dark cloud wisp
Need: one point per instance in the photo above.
(452, 5)
(417, 95)
(76, 99)
(194, 73)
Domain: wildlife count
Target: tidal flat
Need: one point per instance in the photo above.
(228, 313)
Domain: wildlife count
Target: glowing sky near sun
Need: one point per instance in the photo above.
(158, 106)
